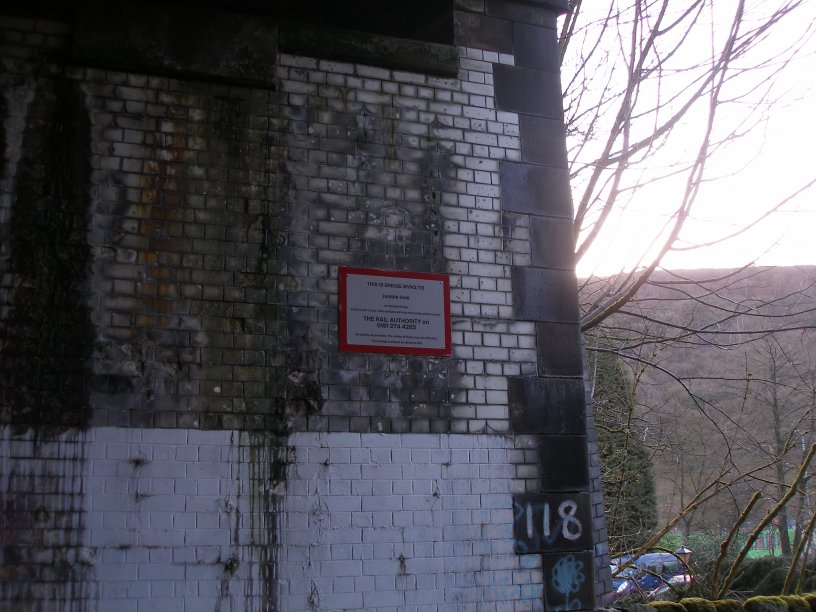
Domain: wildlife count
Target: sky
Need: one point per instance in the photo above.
(769, 163)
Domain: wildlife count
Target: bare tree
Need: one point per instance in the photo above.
(725, 369)
(655, 93)
(781, 395)
(663, 98)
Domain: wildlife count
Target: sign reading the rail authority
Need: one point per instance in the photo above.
(383, 311)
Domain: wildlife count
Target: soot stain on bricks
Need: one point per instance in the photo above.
(383, 211)
(47, 343)
(424, 383)
(47, 332)
(389, 219)
(263, 460)
(43, 525)
(276, 329)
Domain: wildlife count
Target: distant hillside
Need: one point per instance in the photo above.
(729, 307)
(670, 291)
(725, 368)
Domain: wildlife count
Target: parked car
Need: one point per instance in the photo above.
(673, 588)
(618, 578)
(647, 574)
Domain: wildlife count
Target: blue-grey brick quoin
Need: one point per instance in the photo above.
(536, 47)
(545, 291)
(534, 189)
(541, 294)
(552, 242)
(559, 349)
(543, 141)
(564, 463)
(483, 32)
(531, 92)
(547, 405)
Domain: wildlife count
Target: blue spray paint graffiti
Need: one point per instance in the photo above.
(567, 578)
(558, 526)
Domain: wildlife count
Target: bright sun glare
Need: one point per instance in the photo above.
(766, 166)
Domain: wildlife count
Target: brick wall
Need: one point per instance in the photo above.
(180, 429)
(171, 520)
(405, 522)
(218, 235)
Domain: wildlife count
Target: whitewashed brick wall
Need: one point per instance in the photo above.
(165, 519)
(404, 522)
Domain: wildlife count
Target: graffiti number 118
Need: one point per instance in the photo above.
(566, 522)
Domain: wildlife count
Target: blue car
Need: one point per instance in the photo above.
(646, 573)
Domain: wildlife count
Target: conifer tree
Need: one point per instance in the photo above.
(626, 462)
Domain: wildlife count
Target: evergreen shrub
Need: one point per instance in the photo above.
(759, 576)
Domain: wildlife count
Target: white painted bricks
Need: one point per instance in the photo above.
(403, 522)
(364, 521)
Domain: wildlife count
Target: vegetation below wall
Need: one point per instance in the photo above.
(752, 580)
(726, 422)
(795, 603)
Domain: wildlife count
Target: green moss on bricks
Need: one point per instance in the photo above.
(697, 604)
(728, 605)
(796, 603)
(670, 606)
(765, 604)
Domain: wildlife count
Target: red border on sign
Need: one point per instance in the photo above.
(344, 272)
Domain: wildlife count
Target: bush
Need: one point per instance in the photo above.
(772, 583)
(755, 576)
(706, 547)
(809, 582)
